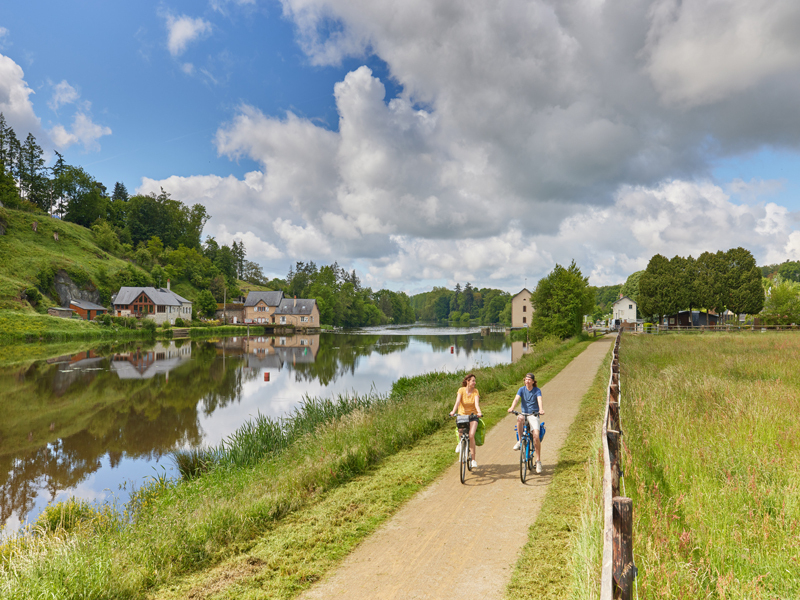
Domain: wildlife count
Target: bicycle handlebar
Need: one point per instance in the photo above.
(536, 414)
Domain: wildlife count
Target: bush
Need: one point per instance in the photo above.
(33, 295)
(105, 319)
(149, 326)
(179, 322)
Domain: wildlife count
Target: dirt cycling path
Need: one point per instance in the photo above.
(462, 541)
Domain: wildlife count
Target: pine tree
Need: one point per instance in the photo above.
(120, 192)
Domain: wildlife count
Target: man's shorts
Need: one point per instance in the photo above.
(533, 425)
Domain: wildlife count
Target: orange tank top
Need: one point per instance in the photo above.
(467, 405)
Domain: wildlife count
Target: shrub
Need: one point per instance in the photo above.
(104, 320)
(33, 295)
(69, 515)
(149, 326)
(179, 322)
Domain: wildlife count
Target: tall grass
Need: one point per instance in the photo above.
(711, 451)
(171, 528)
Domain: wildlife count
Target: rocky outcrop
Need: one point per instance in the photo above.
(68, 290)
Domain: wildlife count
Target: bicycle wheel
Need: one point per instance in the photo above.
(523, 459)
(531, 462)
(464, 459)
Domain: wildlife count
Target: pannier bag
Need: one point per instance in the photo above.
(541, 431)
(480, 433)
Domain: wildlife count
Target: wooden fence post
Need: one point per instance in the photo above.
(613, 415)
(624, 569)
(613, 455)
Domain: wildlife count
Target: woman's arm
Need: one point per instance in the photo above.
(455, 406)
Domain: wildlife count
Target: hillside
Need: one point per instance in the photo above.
(72, 264)
(31, 258)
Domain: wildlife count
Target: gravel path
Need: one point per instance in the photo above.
(462, 541)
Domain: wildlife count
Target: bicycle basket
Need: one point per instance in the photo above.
(462, 420)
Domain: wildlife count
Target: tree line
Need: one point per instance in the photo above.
(487, 305)
(713, 281)
(341, 299)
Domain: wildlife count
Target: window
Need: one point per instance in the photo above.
(524, 308)
(304, 342)
(304, 319)
(630, 306)
(524, 319)
(162, 308)
(283, 320)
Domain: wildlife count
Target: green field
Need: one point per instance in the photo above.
(711, 460)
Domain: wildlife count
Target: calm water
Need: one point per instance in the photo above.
(93, 424)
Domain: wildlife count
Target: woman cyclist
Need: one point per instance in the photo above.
(468, 403)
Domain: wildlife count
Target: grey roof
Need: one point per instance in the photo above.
(86, 305)
(269, 298)
(159, 296)
(292, 306)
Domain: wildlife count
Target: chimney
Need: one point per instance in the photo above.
(167, 284)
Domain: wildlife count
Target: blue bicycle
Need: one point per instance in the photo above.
(526, 448)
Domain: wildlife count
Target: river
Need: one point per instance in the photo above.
(96, 424)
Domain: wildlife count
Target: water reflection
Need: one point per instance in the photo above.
(82, 424)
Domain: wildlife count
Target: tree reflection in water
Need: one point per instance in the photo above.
(61, 416)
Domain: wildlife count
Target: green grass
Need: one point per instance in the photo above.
(562, 557)
(711, 457)
(172, 530)
(24, 252)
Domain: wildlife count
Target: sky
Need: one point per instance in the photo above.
(431, 142)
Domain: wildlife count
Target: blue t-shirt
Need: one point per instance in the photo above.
(529, 403)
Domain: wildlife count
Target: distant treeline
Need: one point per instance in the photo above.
(487, 305)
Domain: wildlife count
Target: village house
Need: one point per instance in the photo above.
(624, 310)
(274, 309)
(298, 312)
(159, 304)
(87, 310)
(259, 307)
(521, 309)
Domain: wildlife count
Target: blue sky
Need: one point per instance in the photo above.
(426, 143)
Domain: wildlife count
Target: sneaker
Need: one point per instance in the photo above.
(538, 466)
(474, 465)
(516, 446)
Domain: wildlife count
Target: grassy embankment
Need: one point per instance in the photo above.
(711, 457)
(271, 528)
(564, 551)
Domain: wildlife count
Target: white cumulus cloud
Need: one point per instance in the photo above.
(524, 133)
(182, 30)
(84, 131)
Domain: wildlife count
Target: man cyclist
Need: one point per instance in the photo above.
(532, 402)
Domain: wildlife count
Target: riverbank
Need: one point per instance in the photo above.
(175, 529)
(20, 327)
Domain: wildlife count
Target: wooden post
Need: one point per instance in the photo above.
(613, 416)
(624, 569)
(615, 366)
(613, 455)
(615, 378)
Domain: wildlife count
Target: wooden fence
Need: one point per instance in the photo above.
(618, 570)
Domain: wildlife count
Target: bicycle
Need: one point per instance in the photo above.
(462, 422)
(526, 447)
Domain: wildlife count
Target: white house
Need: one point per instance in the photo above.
(624, 310)
(521, 309)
